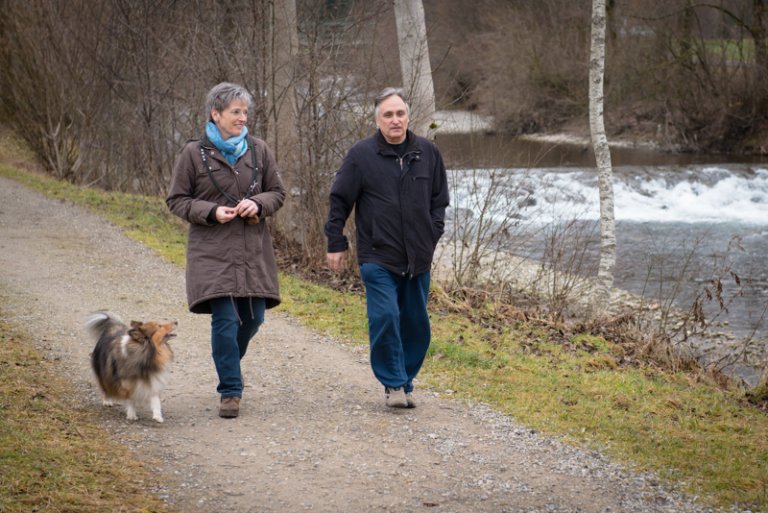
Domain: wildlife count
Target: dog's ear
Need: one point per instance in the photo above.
(138, 331)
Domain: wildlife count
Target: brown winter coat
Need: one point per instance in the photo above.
(234, 259)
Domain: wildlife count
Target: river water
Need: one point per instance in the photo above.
(682, 220)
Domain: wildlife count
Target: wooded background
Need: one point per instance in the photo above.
(106, 91)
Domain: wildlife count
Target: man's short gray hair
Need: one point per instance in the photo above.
(386, 93)
(221, 95)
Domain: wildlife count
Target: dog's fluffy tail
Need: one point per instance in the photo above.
(99, 322)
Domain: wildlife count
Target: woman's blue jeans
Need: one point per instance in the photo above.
(233, 324)
(398, 324)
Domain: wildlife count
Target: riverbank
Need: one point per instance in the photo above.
(640, 323)
(633, 136)
(466, 122)
(315, 432)
(682, 221)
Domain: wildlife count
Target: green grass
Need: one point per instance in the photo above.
(53, 457)
(679, 425)
(730, 51)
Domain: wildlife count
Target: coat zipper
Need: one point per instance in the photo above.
(408, 271)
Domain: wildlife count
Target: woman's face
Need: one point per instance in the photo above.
(231, 119)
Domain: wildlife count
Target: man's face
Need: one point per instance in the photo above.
(392, 119)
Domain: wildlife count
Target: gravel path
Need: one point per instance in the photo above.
(313, 434)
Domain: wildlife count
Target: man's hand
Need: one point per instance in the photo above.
(336, 260)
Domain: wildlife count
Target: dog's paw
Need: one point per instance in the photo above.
(157, 409)
(107, 402)
(130, 412)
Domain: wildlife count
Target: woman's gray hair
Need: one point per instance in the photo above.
(221, 95)
(386, 93)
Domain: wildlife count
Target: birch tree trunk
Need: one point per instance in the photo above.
(414, 63)
(605, 273)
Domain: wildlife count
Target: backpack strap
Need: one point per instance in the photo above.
(254, 176)
(229, 197)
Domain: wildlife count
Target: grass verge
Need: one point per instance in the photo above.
(53, 456)
(689, 431)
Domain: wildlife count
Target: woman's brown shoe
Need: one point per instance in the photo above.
(229, 407)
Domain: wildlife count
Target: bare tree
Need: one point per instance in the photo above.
(281, 98)
(525, 62)
(758, 31)
(602, 154)
(284, 48)
(337, 70)
(414, 62)
(41, 90)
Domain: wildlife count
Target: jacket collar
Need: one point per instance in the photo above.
(205, 142)
(386, 149)
(214, 152)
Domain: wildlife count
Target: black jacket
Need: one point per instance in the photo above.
(399, 203)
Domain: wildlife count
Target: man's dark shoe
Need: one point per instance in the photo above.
(229, 407)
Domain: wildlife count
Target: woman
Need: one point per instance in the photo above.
(225, 185)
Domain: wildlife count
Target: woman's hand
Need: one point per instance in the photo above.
(247, 208)
(225, 214)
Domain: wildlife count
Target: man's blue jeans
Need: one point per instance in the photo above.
(233, 324)
(398, 324)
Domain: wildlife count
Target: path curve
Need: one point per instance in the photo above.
(313, 434)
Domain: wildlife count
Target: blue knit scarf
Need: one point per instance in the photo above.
(233, 148)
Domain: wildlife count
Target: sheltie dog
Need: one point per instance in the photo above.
(131, 363)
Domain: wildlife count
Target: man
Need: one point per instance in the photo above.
(396, 182)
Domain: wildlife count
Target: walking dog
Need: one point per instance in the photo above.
(131, 363)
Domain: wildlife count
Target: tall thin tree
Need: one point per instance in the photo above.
(602, 151)
(283, 110)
